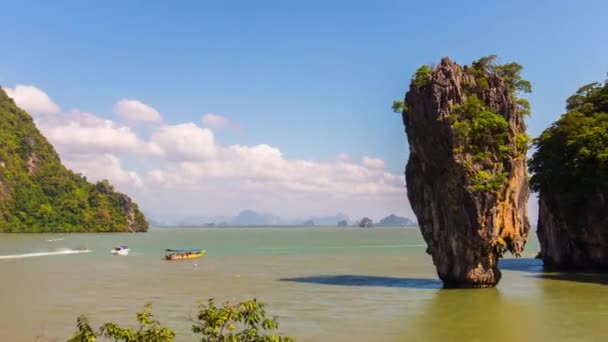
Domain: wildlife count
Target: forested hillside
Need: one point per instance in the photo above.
(39, 194)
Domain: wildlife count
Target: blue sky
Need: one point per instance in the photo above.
(315, 78)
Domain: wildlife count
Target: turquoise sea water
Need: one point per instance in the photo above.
(324, 284)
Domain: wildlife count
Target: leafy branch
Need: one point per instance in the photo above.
(243, 322)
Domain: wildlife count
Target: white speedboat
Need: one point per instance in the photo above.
(121, 250)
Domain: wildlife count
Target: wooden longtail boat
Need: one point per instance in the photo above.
(183, 254)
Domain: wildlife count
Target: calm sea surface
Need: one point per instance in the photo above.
(324, 284)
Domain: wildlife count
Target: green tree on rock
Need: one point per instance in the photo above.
(572, 154)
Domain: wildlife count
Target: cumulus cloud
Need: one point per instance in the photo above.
(135, 111)
(104, 166)
(375, 163)
(185, 142)
(79, 132)
(168, 180)
(215, 120)
(171, 161)
(264, 168)
(32, 99)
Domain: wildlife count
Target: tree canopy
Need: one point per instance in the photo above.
(572, 154)
(509, 72)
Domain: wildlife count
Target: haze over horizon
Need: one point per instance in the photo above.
(210, 109)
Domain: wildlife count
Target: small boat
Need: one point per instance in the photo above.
(183, 254)
(121, 250)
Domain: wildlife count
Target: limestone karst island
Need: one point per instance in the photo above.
(304, 171)
(466, 174)
(570, 173)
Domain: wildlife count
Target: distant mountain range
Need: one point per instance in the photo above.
(253, 218)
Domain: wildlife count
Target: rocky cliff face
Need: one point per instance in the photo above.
(564, 246)
(38, 194)
(570, 168)
(466, 175)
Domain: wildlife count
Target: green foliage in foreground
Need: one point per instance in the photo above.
(149, 330)
(39, 194)
(243, 322)
(572, 154)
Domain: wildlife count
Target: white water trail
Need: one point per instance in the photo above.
(32, 255)
(53, 240)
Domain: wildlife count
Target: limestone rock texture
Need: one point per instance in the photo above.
(468, 192)
(565, 247)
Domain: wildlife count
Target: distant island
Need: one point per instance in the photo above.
(251, 218)
(39, 194)
(396, 221)
(390, 221)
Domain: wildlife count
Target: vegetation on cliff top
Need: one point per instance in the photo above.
(487, 135)
(572, 154)
(484, 140)
(419, 79)
(39, 194)
(243, 322)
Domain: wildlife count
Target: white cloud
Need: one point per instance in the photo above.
(84, 133)
(135, 111)
(215, 120)
(32, 99)
(264, 168)
(169, 180)
(104, 166)
(182, 166)
(185, 142)
(375, 163)
(343, 157)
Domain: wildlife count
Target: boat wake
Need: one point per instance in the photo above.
(32, 255)
(53, 240)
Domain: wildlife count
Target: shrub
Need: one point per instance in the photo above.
(243, 322)
(399, 107)
(421, 77)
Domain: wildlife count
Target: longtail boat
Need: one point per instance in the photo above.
(183, 254)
